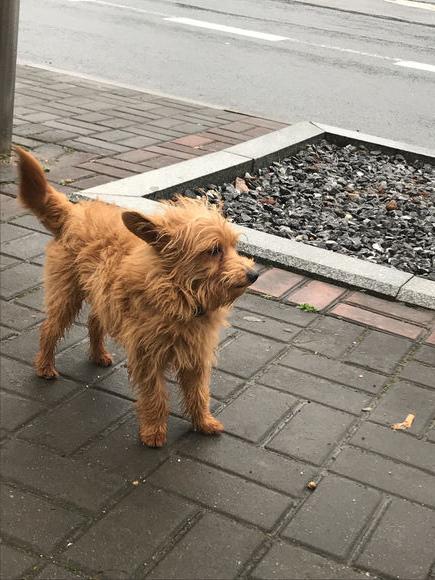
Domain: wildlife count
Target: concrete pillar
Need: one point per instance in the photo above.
(9, 10)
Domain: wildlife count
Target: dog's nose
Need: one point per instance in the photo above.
(252, 276)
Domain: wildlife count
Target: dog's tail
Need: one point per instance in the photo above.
(50, 206)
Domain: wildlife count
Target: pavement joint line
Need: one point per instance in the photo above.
(280, 423)
(397, 461)
(204, 506)
(168, 544)
(368, 530)
(383, 490)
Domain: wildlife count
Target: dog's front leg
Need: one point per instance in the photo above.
(152, 403)
(194, 383)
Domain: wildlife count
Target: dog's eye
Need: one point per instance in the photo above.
(215, 251)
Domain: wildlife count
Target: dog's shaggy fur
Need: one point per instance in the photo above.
(160, 285)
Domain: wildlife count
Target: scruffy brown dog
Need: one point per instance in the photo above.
(160, 285)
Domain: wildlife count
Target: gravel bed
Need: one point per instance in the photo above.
(350, 200)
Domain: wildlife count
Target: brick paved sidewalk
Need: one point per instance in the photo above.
(303, 396)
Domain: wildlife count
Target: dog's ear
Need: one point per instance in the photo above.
(142, 227)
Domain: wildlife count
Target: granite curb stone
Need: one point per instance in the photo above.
(274, 250)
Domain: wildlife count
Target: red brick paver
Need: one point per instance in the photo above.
(317, 294)
(276, 282)
(389, 307)
(377, 320)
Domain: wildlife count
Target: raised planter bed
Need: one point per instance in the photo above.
(142, 191)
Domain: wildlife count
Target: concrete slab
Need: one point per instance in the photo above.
(418, 291)
(343, 136)
(279, 144)
(331, 265)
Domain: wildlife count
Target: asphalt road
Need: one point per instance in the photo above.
(340, 62)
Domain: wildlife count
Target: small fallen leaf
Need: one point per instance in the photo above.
(392, 204)
(240, 185)
(312, 485)
(406, 424)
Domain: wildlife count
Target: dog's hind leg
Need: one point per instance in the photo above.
(63, 300)
(98, 353)
(196, 392)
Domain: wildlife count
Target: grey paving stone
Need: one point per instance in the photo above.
(52, 572)
(257, 464)
(9, 232)
(313, 433)
(15, 410)
(415, 371)
(260, 324)
(199, 552)
(33, 298)
(75, 362)
(17, 316)
(13, 563)
(401, 399)
(98, 143)
(329, 336)
(351, 504)
(395, 444)
(426, 354)
(117, 383)
(30, 222)
(386, 474)
(355, 377)
(74, 481)
(115, 135)
(69, 426)
(402, 544)
(9, 207)
(431, 435)
(6, 333)
(241, 359)
(255, 411)
(18, 278)
(54, 136)
(227, 493)
(295, 563)
(34, 520)
(131, 532)
(223, 385)
(314, 388)
(122, 451)
(21, 378)
(6, 261)
(380, 351)
(26, 345)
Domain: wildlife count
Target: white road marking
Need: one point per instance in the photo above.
(412, 4)
(416, 65)
(274, 37)
(229, 29)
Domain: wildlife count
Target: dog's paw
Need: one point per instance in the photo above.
(153, 437)
(47, 372)
(210, 426)
(104, 359)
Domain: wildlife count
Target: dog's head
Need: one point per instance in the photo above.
(196, 250)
